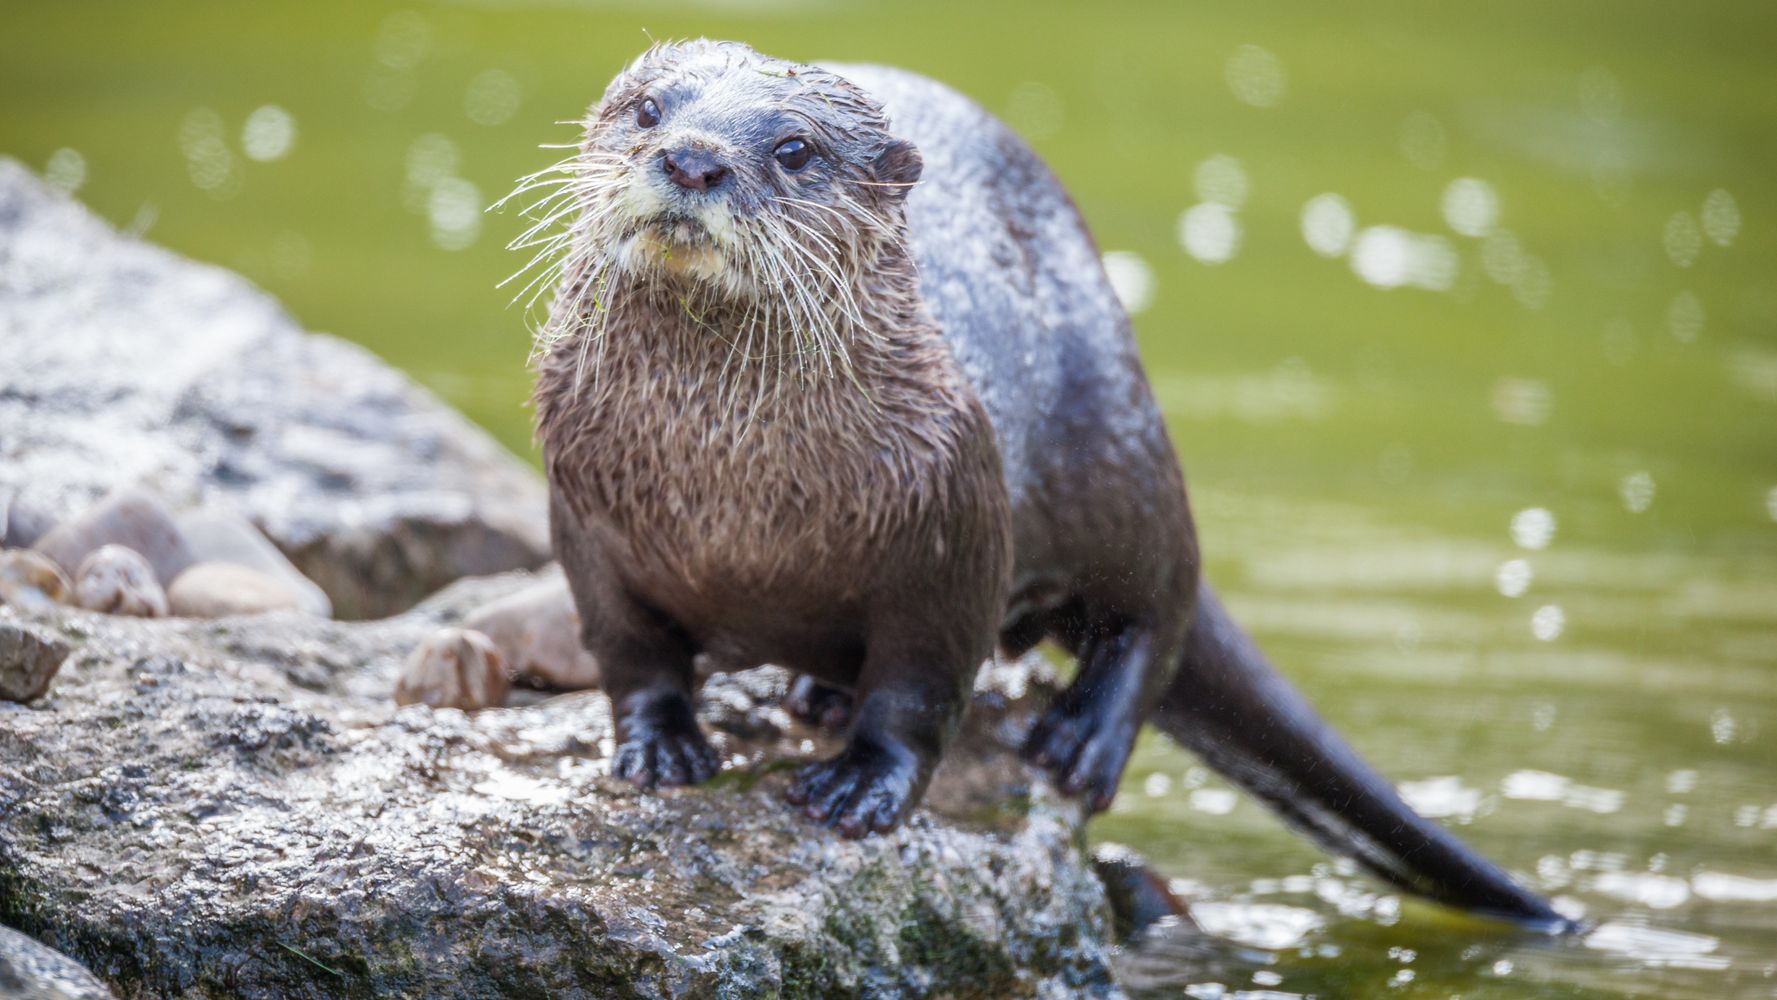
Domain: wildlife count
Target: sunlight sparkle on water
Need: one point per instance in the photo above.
(1522, 401)
(1470, 207)
(1637, 491)
(1721, 217)
(66, 170)
(1391, 257)
(1209, 232)
(1256, 76)
(1222, 180)
(1513, 577)
(1683, 239)
(1547, 622)
(1685, 317)
(269, 134)
(1328, 224)
(1533, 528)
(492, 98)
(1131, 279)
(208, 161)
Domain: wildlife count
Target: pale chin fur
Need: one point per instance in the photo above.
(700, 248)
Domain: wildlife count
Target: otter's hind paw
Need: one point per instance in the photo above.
(817, 704)
(1083, 750)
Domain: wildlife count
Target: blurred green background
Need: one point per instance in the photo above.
(1464, 318)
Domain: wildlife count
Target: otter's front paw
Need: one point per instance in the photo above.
(817, 704)
(866, 788)
(1084, 747)
(655, 751)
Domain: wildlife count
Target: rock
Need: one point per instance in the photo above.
(29, 659)
(537, 630)
(133, 519)
(31, 579)
(454, 668)
(21, 522)
(218, 590)
(126, 365)
(118, 581)
(236, 808)
(33, 971)
(223, 536)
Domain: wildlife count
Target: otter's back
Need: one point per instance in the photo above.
(1010, 272)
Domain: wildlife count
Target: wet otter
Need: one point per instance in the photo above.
(859, 400)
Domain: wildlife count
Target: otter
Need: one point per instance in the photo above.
(833, 378)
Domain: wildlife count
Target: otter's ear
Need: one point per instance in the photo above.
(898, 166)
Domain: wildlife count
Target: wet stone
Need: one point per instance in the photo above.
(236, 807)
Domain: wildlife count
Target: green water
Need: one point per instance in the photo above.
(1606, 353)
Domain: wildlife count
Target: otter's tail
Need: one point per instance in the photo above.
(1232, 708)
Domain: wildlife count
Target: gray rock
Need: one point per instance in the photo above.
(236, 808)
(129, 366)
(33, 971)
(129, 518)
(226, 537)
(21, 521)
(29, 659)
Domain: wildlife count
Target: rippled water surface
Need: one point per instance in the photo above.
(1464, 318)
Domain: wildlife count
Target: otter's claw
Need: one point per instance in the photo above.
(863, 790)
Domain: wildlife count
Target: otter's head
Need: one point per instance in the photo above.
(710, 166)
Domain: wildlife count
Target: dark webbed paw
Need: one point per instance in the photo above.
(817, 704)
(1083, 747)
(865, 789)
(662, 745)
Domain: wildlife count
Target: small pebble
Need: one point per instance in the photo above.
(218, 590)
(118, 581)
(32, 580)
(455, 668)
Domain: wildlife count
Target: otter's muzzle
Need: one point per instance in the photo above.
(692, 168)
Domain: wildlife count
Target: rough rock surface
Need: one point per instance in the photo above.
(29, 659)
(236, 808)
(31, 971)
(128, 365)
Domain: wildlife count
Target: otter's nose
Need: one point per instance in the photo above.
(693, 168)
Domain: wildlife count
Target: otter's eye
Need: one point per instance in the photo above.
(648, 115)
(793, 155)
